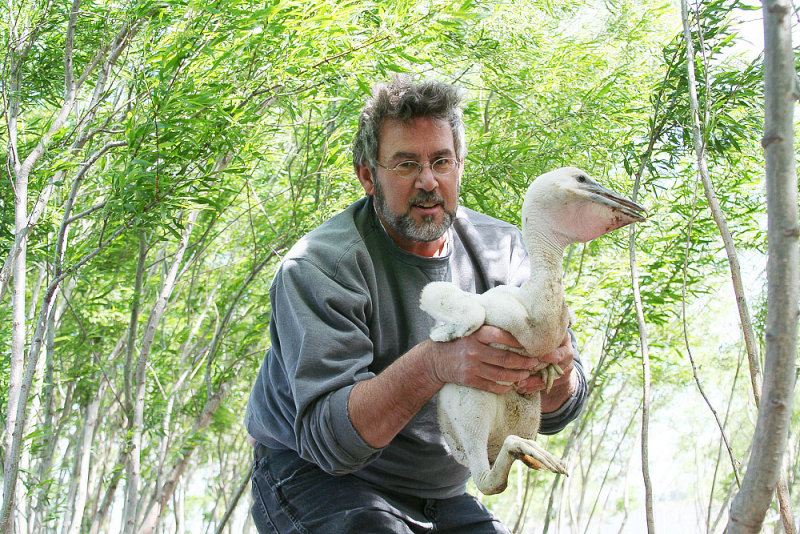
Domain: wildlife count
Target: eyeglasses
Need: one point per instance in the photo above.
(412, 169)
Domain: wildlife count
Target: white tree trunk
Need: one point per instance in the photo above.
(201, 422)
(18, 341)
(136, 425)
(82, 457)
(783, 269)
(18, 266)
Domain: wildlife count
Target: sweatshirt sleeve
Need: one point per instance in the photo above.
(554, 422)
(324, 350)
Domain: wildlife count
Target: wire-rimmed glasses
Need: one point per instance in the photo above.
(411, 169)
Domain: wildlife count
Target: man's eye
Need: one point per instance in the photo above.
(444, 164)
(407, 166)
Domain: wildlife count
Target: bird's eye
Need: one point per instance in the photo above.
(582, 178)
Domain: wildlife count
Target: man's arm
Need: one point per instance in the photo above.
(381, 406)
(560, 393)
(566, 400)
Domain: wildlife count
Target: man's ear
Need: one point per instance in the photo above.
(364, 173)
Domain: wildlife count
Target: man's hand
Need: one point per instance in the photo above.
(563, 387)
(381, 406)
(473, 361)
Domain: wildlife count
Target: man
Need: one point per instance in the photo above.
(343, 409)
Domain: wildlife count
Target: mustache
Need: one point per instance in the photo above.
(425, 196)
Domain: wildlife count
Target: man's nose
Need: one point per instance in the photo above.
(426, 180)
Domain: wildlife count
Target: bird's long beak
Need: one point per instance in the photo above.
(616, 202)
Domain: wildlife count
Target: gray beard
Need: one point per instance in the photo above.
(407, 227)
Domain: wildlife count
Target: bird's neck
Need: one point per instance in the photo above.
(547, 259)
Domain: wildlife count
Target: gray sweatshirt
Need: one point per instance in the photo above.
(345, 305)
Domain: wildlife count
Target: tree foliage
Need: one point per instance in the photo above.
(172, 151)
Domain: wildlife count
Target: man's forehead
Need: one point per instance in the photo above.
(405, 139)
(424, 121)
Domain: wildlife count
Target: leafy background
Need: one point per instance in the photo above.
(203, 138)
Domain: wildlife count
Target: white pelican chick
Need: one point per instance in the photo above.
(487, 432)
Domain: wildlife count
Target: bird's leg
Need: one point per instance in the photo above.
(466, 434)
(494, 480)
(549, 373)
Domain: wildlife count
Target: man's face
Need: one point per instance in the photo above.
(416, 212)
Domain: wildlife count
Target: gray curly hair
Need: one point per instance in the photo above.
(402, 99)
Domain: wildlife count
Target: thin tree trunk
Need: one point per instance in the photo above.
(83, 451)
(178, 502)
(522, 515)
(98, 468)
(235, 501)
(644, 346)
(136, 424)
(610, 463)
(716, 211)
(128, 378)
(14, 450)
(594, 453)
(18, 340)
(626, 498)
(44, 398)
(201, 422)
(166, 440)
(721, 443)
(101, 518)
(49, 440)
(176, 390)
(734, 463)
(19, 268)
(783, 265)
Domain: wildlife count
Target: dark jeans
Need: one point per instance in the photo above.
(291, 495)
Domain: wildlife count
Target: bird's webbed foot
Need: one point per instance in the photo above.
(534, 456)
(494, 480)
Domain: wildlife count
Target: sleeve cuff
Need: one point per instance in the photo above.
(350, 441)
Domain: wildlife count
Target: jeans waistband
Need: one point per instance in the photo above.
(261, 451)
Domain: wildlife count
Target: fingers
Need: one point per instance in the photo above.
(563, 355)
(498, 348)
(488, 334)
(496, 365)
(486, 359)
(470, 362)
(501, 374)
